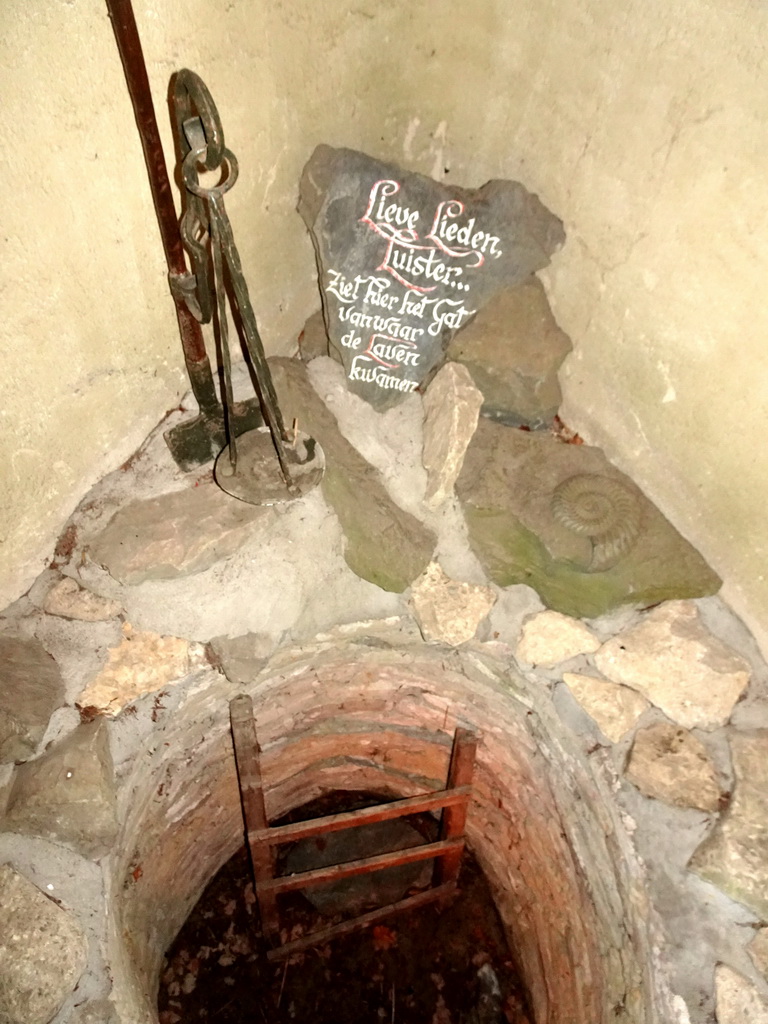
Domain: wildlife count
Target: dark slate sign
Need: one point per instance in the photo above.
(405, 262)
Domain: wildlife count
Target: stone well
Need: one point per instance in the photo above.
(347, 713)
(619, 806)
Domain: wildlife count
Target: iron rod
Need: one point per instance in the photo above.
(132, 57)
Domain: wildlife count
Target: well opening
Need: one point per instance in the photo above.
(449, 961)
(378, 719)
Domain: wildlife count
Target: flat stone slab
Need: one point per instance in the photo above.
(68, 794)
(42, 952)
(735, 856)
(561, 519)
(513, 349)
(447, 610)
(669, 763)
(313, 340)
(385, 545)
(615, 708)
(405, 262)
(551, 637)
(241, 658)
(142, 663)
(451, 408)
(177, 534)
(674, 661)
(737, 999)
(31, 688)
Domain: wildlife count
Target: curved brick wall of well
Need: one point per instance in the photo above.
(354, 716)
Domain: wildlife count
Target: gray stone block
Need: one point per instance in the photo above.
(68, 794)
(31, 688)
(385, 545)
(406, 262)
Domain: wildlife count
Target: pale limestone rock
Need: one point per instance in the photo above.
(141, 664)
(448, 611)
(735, 856)
(68, 794)
(737, 999)
(177, 534)
(550, 637)
(451, 409)
(758, 950)
(42, 952)
(668, 763)
(71, 601)
(615, 708)
(678, 665)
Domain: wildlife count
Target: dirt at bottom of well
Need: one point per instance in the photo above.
(425, 966)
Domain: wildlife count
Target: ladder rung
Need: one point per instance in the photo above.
(304, 879)
(362, 816)
(334, 931)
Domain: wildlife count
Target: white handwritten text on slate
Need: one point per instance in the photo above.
(387, 313)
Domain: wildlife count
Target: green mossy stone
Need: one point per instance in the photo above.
(385, 545)
(505, 488)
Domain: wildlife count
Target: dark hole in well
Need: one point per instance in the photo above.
(425, 966)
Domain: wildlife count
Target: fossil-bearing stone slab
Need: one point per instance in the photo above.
(385, 545)
(737, 999)
(31, 688)
(177, 534)
(71, 601)
(615, 708)
(451, 408)
(446, 610)
(674, 661)
(42, 952)
(513, 348)
(405, 262)
(142, 663)
(735, 856)
(68, 794)
(669, 763)
(551, 637)
(561, 519)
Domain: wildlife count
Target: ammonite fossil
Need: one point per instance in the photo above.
(602, 509)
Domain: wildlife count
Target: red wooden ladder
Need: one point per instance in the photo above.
(262, 837)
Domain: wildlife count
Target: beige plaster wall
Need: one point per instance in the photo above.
(642, 124)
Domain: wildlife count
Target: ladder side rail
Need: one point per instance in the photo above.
(460, 772)
(247, 756)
